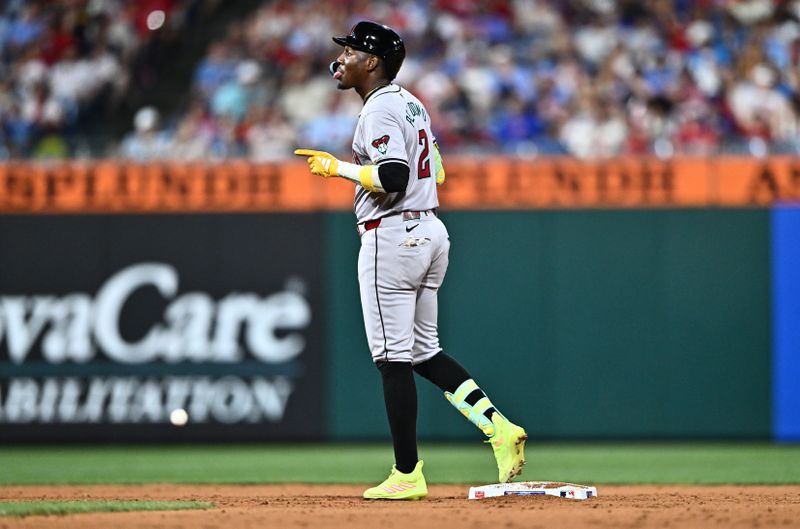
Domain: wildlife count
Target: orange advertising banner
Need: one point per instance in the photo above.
(472, 183)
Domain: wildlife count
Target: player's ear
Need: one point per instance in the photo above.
(372, 62)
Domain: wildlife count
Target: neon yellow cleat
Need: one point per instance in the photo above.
(399, 486)
(508, 444)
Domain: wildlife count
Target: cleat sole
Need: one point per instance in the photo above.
(517, 470)
(415, 497)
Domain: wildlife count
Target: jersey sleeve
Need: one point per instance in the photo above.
(383, 138)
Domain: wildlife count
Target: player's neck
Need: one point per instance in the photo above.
(370, 88)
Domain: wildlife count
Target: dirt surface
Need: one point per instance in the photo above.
(340, 506)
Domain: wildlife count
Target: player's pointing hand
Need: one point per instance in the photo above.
(325, 164)
(321, 163)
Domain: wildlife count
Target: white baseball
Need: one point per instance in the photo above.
(178, 417)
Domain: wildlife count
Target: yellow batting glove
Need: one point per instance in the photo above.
(321, 163)
(438, 165)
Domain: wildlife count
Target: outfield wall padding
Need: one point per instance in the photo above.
(786, 322)
(582, 324)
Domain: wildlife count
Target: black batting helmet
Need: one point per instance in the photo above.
(378, 40)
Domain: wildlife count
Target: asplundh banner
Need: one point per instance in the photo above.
(159, 327)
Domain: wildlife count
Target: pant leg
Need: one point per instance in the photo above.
(388, 276)
(426, 317)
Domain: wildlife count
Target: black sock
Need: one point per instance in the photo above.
(444, 371)
(400, 396)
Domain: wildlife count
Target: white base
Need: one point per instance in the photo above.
(534, 488)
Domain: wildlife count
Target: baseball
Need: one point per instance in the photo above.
(178, 417)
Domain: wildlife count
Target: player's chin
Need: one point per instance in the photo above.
(342, 83)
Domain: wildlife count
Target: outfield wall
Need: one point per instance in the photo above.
(603, 322)
(585, 324)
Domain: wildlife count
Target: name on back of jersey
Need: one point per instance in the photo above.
(415, 110)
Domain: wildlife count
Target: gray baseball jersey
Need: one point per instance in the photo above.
(403, 260)
(394, 126)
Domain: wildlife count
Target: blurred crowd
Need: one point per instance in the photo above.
(65, 62)
(589, 78)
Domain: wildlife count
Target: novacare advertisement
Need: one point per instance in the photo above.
(216, 315)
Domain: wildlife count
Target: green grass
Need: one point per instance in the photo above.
(39, 508)
(444, 463)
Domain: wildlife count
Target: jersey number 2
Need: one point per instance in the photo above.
(424, 165)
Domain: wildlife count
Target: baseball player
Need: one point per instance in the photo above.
(404, 256)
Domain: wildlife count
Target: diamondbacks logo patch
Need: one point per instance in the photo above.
(382, 143)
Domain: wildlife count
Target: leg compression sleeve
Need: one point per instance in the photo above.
(444, 371)
(400, 397)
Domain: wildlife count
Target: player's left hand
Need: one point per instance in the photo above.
(321, 163)
(438, 164)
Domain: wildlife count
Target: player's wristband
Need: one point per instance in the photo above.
(365, 175)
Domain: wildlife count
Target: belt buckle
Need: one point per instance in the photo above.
(411, 215)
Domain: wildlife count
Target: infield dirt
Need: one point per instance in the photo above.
(340, 507)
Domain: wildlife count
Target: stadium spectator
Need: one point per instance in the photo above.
(233, 98)
(269, 136)
(759, 108)
(146, 142)
(215, 70)
(196, 136)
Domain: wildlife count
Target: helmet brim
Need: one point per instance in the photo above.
(353, 43)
